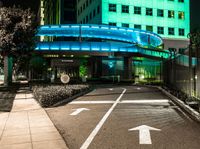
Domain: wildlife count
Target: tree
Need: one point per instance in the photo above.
(17, 32)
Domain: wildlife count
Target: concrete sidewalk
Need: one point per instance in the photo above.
(28, 126)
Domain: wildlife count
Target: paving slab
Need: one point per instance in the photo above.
(28, 126)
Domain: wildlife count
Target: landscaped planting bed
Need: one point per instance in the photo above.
(192, 101)
(50, 95)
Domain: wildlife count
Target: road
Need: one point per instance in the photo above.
(109, 118)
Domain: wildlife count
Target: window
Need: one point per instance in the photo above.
(125, 9)
(137, 26)
(94, 13)
(149, 11)
(170, 31)
(112, 8)
(160, 30)
(90, 15)
(125, 25)
(181, 32)
(83, 6)
(112, 24)
(181, 15)
(170, 0)
(86, 3)
(181, 1)
(149, 28)
(137, 10)
(170, 13)
(86, 19)
(98, 9)
(160, 13)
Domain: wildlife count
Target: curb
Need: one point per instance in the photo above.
(65, 101)
(194, 114)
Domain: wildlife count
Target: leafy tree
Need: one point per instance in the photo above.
(17, 33)
(195, 37)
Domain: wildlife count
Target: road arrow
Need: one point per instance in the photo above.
(79, 110)
(144, 133)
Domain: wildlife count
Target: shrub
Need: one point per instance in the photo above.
(50, 95)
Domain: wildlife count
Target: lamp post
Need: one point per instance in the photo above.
(195, 45)
(173, 68)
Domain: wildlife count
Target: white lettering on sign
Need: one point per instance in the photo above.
(67, 61)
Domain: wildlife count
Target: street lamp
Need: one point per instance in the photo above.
(173, 68)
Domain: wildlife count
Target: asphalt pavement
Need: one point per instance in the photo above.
(125, 117)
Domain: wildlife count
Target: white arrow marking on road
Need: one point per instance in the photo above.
(144, 133)
(77, 111)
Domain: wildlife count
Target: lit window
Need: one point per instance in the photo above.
(170, 13)
(149, 28)
(181, 32)
(112, 24)
(170, 31)
(149, 11)
(137, 26)
(125, 25)
(137, 10)
(125, 9)
(181, 15)
(112, 8)
(160, 13)
(160, 30)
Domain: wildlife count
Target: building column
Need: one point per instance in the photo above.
(127, 68)
(96, 63)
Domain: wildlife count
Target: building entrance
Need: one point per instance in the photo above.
(65, 66)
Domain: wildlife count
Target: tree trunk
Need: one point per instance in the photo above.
(7, 70)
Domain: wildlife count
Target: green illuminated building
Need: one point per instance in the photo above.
(168, 18)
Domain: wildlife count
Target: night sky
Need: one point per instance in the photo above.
(34, 5)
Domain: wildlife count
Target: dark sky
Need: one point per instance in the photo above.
(33, 4)
(195, 14)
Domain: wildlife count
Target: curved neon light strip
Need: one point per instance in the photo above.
(99, 47)
(130, 35)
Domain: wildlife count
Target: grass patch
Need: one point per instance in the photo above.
(49, 95)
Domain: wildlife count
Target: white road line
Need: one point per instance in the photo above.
(145, 101)
(91, 102)
(88, 141)
(123, 101)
